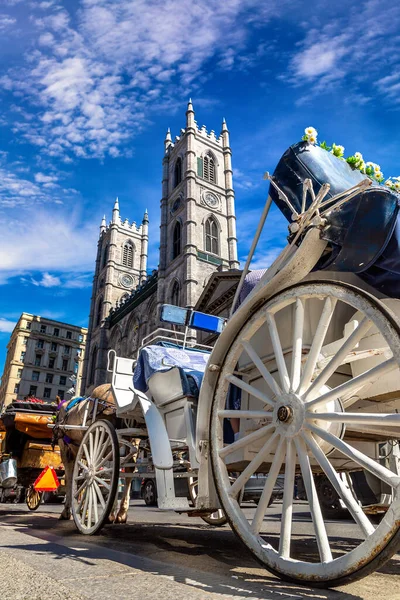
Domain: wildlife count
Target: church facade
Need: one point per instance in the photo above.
(197, 239)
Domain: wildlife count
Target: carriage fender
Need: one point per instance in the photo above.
(159, 441)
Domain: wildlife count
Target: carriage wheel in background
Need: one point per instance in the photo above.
(95, 477)
(298, 428)
(33, 498)
(217, 518)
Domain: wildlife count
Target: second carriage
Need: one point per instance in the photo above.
(303, 380)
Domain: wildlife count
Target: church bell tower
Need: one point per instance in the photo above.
(198, 222)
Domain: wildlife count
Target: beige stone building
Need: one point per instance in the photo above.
(197, 238)
(42, 357)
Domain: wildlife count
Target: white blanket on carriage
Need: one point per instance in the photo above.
(155, 359)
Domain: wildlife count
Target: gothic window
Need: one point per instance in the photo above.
(176, 240)
(105, 256)
(99, 312)
(92, 366)
(211, 236)
(175, 294)
(127, 255)
(209, 168)
(178, 172)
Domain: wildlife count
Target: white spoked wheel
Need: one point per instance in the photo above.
(293, 362)
(217, 518)
(95, 477)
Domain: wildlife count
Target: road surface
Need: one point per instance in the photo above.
(157, 555)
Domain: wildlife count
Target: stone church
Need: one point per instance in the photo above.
(198, 250)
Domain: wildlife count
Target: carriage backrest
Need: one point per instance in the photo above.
(122, 378)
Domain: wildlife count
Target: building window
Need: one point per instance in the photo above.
(40, 344)
(53, 347)
(211, 236)
(63, 380)
(47, 392)
(38, 360)
(176, 240)
(127, 255)
(22, 357)
(67, 349)
(178, 172)
(56, 331)
(93, 367)
(16, 388)
(175, 295)
(105, 256)
(69, 335)
(51, 363)
(60, 394)
(19, 373)
(33, 390)
(28, 324)
(80, 338)
(209, 168)
(43, 328)
(35, 375)
(25, 341)
(76, 367)
(49, 378)
(64, 365)
(99, 312)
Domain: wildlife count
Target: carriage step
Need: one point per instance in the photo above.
(197, 512)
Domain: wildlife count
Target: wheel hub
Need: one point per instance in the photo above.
(284, 414)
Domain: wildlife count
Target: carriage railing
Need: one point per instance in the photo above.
(162, 334)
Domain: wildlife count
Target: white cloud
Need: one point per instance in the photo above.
(97, 77)
(6, 326)
(48, 241)
(47, 281)
(41, 178)
(6, 21)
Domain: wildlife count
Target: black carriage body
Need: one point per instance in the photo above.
(363, 234)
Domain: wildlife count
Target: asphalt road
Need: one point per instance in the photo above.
(156, 555)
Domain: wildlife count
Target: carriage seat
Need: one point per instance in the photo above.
(170, 373)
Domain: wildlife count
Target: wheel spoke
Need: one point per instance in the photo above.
(337, 359)
(99, 448)
(355, 384)
(297, 343)
(250, 389)
(245, 441)
(252, 467)
(383, 420)
(99, 494)
(276, 344)
(268, 487)
(262, 368)
(95, 509)
(319, 337)
(358, 457)
(102, 482)
(91, 446)
(78, 491)
(85, 506)
(351, 503)
(86, 451)
(90, 492)
(96, 446)
(287, 503)
(105, 459)
(84, 467)
(315, 509)
(244, 414)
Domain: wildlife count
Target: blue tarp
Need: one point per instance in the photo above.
(155, 359)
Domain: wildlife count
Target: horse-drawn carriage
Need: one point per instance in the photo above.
(26, 449)
(307, 367)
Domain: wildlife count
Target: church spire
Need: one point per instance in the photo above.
(168, 139)
(190, 115)
(145, 217)
(103, 225)
(115, 212)
(225, 134)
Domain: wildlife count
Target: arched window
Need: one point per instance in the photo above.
(211, 236)
(92, 371)
(105, 256)
(176, 240)
(127, 254)
(178, 172)
(175, 294)
(209, 168)
(99, 312)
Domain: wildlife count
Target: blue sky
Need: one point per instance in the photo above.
(88, 88)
